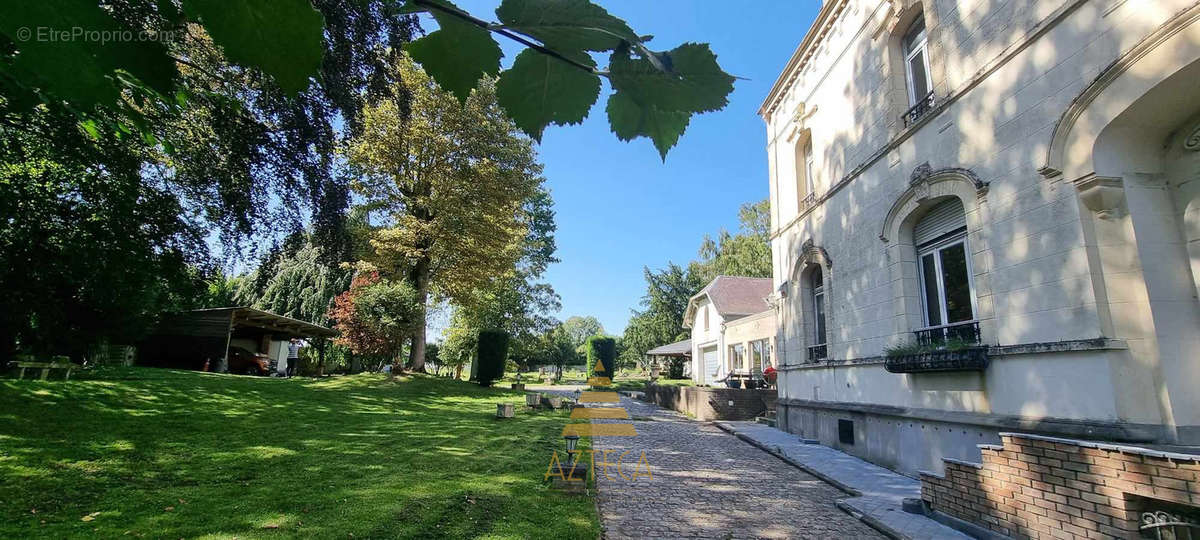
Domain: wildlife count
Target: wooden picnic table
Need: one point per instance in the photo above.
(45, 367)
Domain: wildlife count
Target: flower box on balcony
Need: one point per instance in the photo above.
(968, 359)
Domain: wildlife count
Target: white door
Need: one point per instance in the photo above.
(710, 365)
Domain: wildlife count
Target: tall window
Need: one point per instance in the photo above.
(818, 307)
(916, 62)
(737, 353)
(944, 263)
(805, 174)
(809, 174)
(760, 355)
(705, 318)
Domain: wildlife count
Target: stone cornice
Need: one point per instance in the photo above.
(819, 29)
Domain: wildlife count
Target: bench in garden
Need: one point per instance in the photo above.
(46, 367)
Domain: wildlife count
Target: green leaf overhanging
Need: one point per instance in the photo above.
(79, 68)
(574, 25)
(283, 38)
(540, 90)
(457, 54)
(630, 120)
(693, 81)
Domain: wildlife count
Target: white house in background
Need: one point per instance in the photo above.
(733, 328)
(1021, 177)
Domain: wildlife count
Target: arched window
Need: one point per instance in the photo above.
(916, 62)
(944, 270)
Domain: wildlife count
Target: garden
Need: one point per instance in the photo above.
(155, 453)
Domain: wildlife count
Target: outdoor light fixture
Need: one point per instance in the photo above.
(572, 441)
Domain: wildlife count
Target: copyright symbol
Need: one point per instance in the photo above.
(23, 33)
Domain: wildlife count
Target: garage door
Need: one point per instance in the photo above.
(710, 365)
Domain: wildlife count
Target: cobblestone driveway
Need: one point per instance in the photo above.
(709, 484)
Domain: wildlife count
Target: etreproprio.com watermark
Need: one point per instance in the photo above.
(51, 34)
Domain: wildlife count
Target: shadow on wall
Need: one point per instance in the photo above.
(1035, 273)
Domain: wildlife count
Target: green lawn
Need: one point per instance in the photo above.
(154, 453)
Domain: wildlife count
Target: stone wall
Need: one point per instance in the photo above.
(705, 403)
(1042, 487)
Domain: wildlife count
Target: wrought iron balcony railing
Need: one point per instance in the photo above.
(966, 332)
(817, 352)
(807, 202)
(921, 108)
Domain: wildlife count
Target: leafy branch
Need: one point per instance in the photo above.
(556, 81)
(553, 81)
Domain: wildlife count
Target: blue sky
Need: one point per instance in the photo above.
(619, 207)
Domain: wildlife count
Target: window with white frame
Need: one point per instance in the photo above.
(760, 355)
(736, 355)
(944, 267)
(916, 62)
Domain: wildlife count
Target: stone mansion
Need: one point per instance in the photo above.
(986, 218)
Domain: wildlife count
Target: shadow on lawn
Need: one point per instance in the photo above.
(242, 456)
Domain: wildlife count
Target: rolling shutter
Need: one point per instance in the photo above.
(944, 218)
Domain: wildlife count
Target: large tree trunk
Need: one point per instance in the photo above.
(321, 343)
(419, 277)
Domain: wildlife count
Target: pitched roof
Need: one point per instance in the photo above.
(733, 296)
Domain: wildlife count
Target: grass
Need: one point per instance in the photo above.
(142, 452)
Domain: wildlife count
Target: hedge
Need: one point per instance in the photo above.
(492, 355)
(603, 349)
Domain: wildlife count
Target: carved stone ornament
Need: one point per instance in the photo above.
(1103, 195)
(1192, 141)
(920, 174)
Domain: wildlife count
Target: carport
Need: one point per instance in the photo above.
(189, 340)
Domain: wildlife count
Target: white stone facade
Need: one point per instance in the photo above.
(1068, 130)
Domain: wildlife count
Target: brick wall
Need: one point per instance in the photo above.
(712, 403)
(1043, 487)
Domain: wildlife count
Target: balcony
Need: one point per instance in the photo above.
(919, 110)
(962, 332)
(947, 347)
(818, 352)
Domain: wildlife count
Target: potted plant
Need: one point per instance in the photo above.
(733, 383)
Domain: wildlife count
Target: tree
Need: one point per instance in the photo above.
(747, 253)
(375, 316)
(516, 302)
(122, 158)
(451, 180)
(556, 348)
(660, 321)
(88, 253)
(579, 329)
(295, 281)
